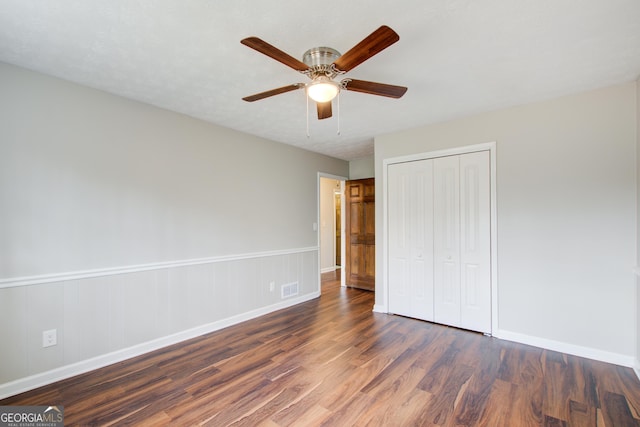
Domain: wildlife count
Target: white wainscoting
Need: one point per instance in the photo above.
(105, 316)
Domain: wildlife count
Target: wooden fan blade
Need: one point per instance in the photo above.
(373, 44)
(272, 92)
(324, 110)
(374, 88)
(275, 53)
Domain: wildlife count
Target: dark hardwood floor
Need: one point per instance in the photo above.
(331, 361)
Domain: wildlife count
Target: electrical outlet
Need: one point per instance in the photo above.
(272, 286)
(49, 338)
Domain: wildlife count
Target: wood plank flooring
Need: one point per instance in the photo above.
(332, 362)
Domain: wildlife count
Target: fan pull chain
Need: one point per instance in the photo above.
(338, 105)
(307, 98)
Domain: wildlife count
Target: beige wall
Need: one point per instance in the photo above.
(566, 202)
(362, 168)
(91, 180)
(638, 226)
(122, 224)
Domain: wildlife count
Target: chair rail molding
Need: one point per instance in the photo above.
(111, 271)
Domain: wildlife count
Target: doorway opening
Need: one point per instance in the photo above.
(331, 225)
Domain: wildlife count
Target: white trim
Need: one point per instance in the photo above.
(328, 269)
(494, 236)
(343, 240)
(384, 295)
(380, 308)
(576, 350)
(334, 224)
(489, 146)
(38, 380)
(75, 275)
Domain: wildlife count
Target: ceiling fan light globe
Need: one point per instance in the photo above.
(322, 91)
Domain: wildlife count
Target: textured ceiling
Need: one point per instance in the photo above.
(457, 57)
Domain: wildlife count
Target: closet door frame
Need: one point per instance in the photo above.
(382, 286)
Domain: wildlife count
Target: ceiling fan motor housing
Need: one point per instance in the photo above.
(319, 60)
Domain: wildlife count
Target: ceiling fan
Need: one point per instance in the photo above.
(323, 64)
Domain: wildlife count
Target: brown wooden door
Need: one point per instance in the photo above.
(360, 233)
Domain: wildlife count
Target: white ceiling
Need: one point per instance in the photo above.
(457, 57)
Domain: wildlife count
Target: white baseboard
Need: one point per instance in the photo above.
(329, 269)
(576, 350)
(44, 378)
(379, 308)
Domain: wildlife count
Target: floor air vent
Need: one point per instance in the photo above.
(289, 290)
